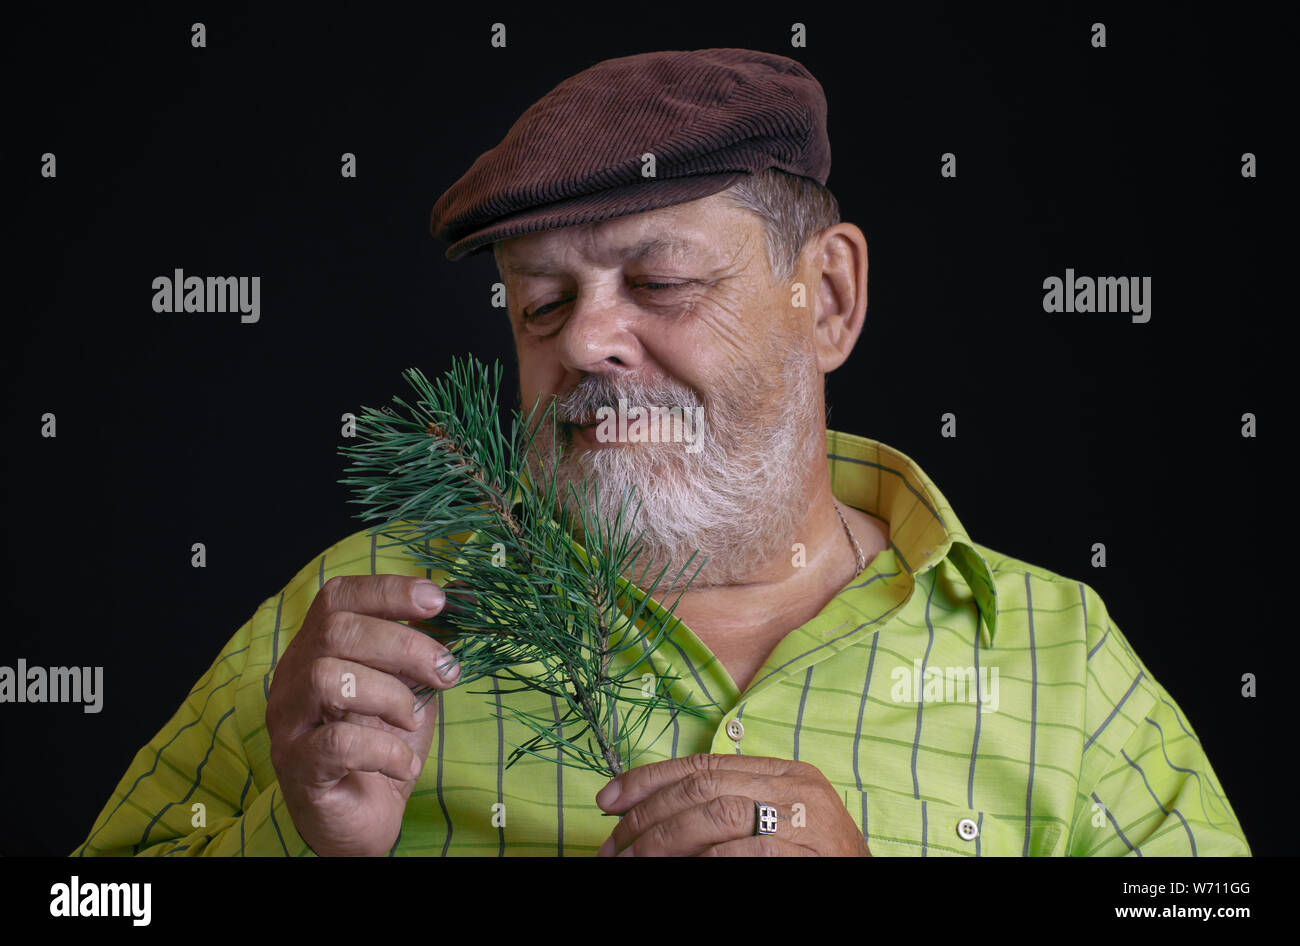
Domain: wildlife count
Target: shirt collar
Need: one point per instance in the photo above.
(923, 529)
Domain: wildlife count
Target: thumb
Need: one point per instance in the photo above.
(426, 716)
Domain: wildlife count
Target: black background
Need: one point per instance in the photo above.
(1072, 428)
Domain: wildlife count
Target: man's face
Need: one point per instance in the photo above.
(682, 292)
(673, 308)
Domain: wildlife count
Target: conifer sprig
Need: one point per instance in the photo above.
(529, 605)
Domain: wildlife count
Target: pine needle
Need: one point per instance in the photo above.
(448, 484)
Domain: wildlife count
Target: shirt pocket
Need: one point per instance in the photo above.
(901, 826)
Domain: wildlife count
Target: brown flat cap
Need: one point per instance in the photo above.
(709, 116)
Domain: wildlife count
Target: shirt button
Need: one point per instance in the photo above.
(967, 829)
(735, 730)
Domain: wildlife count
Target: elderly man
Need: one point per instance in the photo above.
(878, 683)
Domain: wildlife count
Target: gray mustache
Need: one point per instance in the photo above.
(580, 405)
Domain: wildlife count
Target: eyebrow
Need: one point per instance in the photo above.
(638, 252)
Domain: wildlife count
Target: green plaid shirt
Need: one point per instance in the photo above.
(962, 703)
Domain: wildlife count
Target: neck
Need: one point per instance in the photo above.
(744, 618)
(774, 561)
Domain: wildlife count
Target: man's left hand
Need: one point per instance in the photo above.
(704, 805)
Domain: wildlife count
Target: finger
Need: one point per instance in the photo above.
(420, 741)
(635, 785)
(761, 846)
(699, 790)
(392, 597)
(388, 646)
(459, 602)
(694, 830)
(342, 687)
(328, 753)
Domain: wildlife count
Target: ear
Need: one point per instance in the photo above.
(837, 260)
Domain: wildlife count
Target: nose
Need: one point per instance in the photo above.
(598, 336)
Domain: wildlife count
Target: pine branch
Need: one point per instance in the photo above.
(528, 604)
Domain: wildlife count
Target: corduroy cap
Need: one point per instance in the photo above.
(708, 116)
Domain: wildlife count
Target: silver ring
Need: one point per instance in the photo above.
(764, 819)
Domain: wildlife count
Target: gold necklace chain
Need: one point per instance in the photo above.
(853, 540)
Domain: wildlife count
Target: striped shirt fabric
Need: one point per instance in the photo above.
(962, 703)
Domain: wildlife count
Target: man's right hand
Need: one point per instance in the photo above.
(348, 751)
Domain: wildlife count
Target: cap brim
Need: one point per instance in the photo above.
(651, 194)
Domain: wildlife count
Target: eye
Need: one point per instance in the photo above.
(664, 287)
(657, 292)
(541, 311)
(660, 286)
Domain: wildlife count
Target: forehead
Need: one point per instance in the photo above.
(710, 230)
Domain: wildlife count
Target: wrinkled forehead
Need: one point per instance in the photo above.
(703, 232)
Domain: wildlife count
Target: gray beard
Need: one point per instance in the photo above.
(737, 501)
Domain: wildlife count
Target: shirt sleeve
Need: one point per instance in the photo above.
(1146, 785)
(194, 790)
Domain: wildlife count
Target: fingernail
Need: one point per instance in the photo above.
(608, 795)
(416, 766)
(429, 596)
(606, 849)
(448, 669)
